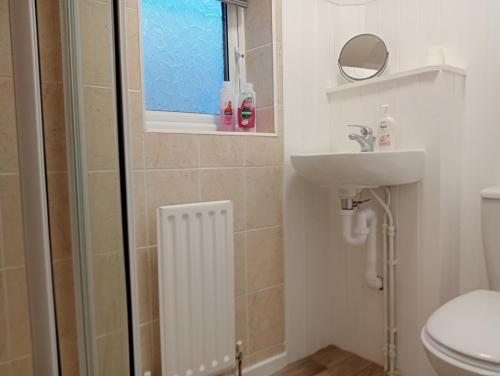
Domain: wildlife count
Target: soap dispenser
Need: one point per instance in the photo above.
(386, 131)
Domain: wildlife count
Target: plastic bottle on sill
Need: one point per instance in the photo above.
(227, 108)
(247, 105)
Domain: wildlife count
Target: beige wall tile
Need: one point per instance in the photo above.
(69, 359)
(264, 151)
(4, 339)
(168, 188)
(49, 38)
(137, 131)
(18, 312)
(265, 258)
(8, 133)
(265, 319)
(221, 151)
(258, 23)
(226, 184)
(156, 349)
(240, 268)
(65, 301)
(264, 196)
(5, 369)
(54, 126)
(265, 120)
(264, 354)
(100, 129)
(22, 367)
(109, 293)
(11, 221)
(140, 212)
(133, 50)
(112, 354)
(59, 215)
(105, 212)
(96, 32)
(165, 150)
(143, 283)
(153, 281)
(241, 320)
(146, 338)
(5, 48)
(260, 72)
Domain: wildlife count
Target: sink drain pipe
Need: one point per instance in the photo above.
(365, 232)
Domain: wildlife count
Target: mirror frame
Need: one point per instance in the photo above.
(376, 74)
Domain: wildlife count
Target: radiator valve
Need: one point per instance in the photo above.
(239, 357)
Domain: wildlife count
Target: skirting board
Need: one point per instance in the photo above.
(268, 366)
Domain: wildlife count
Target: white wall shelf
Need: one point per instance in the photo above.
(396, 76)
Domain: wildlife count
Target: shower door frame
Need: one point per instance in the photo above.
(29, 121)
(70, 33)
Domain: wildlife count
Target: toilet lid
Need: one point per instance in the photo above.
(469, 325)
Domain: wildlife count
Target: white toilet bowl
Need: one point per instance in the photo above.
(462, 338)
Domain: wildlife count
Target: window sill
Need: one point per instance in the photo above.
(156, 129)
(186, 123)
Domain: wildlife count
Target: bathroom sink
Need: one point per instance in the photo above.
(361, 170)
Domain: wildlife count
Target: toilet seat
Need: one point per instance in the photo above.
(465, 332)
(457, 360)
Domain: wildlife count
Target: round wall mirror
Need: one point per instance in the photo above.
(363, 57)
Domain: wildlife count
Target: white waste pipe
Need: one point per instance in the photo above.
(347, 218)
(365, 231)
(373, 280)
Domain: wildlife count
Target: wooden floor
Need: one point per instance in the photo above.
(332, 361)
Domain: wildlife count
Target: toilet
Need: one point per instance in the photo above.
(462, 338)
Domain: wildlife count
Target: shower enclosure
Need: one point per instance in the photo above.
(73, 163)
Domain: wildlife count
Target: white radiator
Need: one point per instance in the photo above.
(196, 283)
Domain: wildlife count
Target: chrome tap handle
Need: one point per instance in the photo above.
(364, 129)
(365, 139)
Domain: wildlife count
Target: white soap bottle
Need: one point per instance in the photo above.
(386, 132)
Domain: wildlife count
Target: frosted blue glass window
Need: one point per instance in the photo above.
(183, 46)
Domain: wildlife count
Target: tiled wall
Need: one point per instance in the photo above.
(15, 338)
(259, 59)
(177, 168)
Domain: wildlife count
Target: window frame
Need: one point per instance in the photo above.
(186, 122)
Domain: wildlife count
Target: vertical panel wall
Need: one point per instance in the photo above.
(429, 111)
(307, 66)
(452, 117)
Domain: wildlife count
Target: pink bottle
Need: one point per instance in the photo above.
(227, 108)
(247, 117)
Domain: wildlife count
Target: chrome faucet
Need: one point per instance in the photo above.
(366, 139)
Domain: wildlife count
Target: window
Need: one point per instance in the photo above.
(189, 48)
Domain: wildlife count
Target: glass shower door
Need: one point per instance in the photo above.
(85, 181)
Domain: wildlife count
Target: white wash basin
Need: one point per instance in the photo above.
(361, 170)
